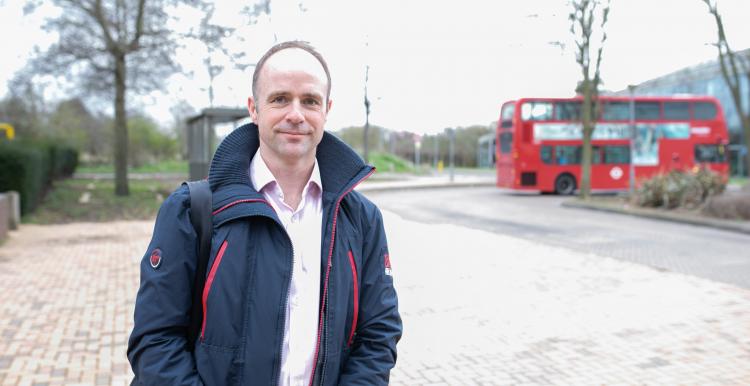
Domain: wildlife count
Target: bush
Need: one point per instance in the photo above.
(148, 145)
(29, 167)
(62, 160)
(67, 158)
(680, 189)
(24, 170)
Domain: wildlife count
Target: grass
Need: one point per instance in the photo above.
(62, 203)
(169, 166)
(385, 162)
(739, 181)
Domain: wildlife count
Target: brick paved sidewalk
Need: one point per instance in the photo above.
(67, 296)
(478, 308)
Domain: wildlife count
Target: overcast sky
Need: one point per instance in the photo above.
(433, 64)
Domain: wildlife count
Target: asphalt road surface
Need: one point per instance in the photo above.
(709, 253)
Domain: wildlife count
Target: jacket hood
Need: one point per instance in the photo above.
(338, 163)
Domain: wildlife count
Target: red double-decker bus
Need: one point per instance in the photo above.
(539, 141)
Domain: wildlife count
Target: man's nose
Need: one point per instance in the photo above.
(295, 115)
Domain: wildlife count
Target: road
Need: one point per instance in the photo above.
(704, 252)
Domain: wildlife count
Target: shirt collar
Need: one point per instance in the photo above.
(261, 176)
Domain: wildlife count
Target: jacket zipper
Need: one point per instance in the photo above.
(233, 203)
(286, 306)
(325, 285)
(209, 283)
(355, 288)
(286, 302)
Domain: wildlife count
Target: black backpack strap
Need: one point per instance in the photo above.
(200, 217)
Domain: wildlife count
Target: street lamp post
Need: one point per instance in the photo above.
(367, 118)
(417, 149)
(451, 151)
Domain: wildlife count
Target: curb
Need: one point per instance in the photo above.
(728, 225)
(436, 185)
(132, 176)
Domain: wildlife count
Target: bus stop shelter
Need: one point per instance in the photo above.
(201, 137)
(486, 151)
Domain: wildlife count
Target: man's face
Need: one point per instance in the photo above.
(291, 107)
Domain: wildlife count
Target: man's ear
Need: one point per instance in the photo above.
(329, 105)
(252, 109)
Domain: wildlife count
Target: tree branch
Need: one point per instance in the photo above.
(98, 15)
(133, 46)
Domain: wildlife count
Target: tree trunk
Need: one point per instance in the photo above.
(366, 143)
(121, 130)
(588, 129)
(745, 118)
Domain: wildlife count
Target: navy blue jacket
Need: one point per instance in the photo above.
(248, 277)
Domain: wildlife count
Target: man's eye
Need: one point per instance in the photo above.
(312, 102)
(279, 99)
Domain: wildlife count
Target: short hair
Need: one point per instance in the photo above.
(303, 45)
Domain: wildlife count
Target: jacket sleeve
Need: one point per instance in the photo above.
(157, 346)
(373, 352)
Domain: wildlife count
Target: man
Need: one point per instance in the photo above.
(299, 288)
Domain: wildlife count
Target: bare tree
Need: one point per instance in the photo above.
(213, 37)
(181, 111)
(112, 48)
(24, 106)
(74, 124)
(732, 70)
(583, 26)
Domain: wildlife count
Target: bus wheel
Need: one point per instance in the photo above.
(565, 184)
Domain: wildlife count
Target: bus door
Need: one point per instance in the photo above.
(610, 167)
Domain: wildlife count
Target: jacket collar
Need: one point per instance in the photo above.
(339, 166)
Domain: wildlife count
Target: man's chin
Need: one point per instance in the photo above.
(297, 150)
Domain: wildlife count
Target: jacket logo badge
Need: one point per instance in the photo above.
(387, 259)
(155, 258)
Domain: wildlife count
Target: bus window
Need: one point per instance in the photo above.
(704, 110)
(546, 154)
(692, 128)
(646, 110)
(710, 153)
(568, 111)
(506, 140)
(616, 155)
(616, 111)
(596, 155)
(568, 155)
(677, 111)
(536, 111)
(506, 115)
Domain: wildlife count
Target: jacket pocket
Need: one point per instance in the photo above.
(209, 283)
(355, 296)
(216, 365)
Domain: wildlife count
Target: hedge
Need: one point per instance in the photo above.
(29, 168)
